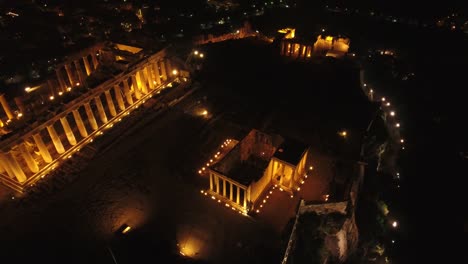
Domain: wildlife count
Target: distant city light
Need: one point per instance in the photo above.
(394, 224)
(397, 125)
(52, 97)
(392, 113)
(201, 55)
(27, 89)
(343, 133)
(402, 141)
(388, 103)
(195, 52)
(383, 99)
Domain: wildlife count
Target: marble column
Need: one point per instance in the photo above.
(79, 70)
(70, 75)
(149, 76)
(118, 96)
(32, 164)
(79, 123)
(142, 78)
(5, 164)
(224, 187)
(136, 89)
(245, 199)
(20, 105)
(43, 150)
(230, 191)
(211, 181)
(127, 92)
(91, 118)
(87, 66)
(16, 168)
(163, 70)
(110, 103)
(61, 81)
(169, 68)
(6, 106)
(157, 76)
(238, 195)
(101, 112)
(68, 131)
(217, 184)
(94, 60)
(55, 139)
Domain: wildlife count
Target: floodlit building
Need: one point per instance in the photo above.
(253, 165)
(90, 92)
(329, 46)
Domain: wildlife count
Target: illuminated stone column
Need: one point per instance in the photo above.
(110, 103)
(141, 76)
(163, 70)
(91, 118)
(157, 76)
(118, 96)
(217, 184)
(127, 92)
(20, 105)
(81, 74)
(79, 123)
(102, 114)
(6, 106)
(55, 139)
(168, 68)
(70, 75)
(94, 60)
(230, 191)
(149, 76)
(136, 89)
(224, 187)
(245, 199)
(238, 195)
(61, 81)
(211, 181)
(5, 164)
(87, 66)
(32, 164)
(15, 167)
(68, 132)
(42, 148)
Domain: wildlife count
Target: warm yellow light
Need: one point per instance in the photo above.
(195, 52)
(397, 124)
(402, 140)
(77, 84)
(51, 97)
(201, 55)
(126, 230)
(60, 93)
(298, 188)
(20, 115)
(205, 112)
(383, 99)
(258, 211)
(395, 224)
(343, 133)
(68, 89)
(388, 104)
(27, 89)
(311, 167)
(392, 113)
(175, 72)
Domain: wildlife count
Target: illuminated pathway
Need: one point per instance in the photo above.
(26, 158)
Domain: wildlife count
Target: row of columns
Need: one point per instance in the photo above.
(78, 74)
(150, 75)
(215, 187)
(295, 50)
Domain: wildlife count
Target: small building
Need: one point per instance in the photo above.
(253, 165)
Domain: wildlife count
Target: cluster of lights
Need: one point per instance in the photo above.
(392, 113)
(199, 54)
(216, 156)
